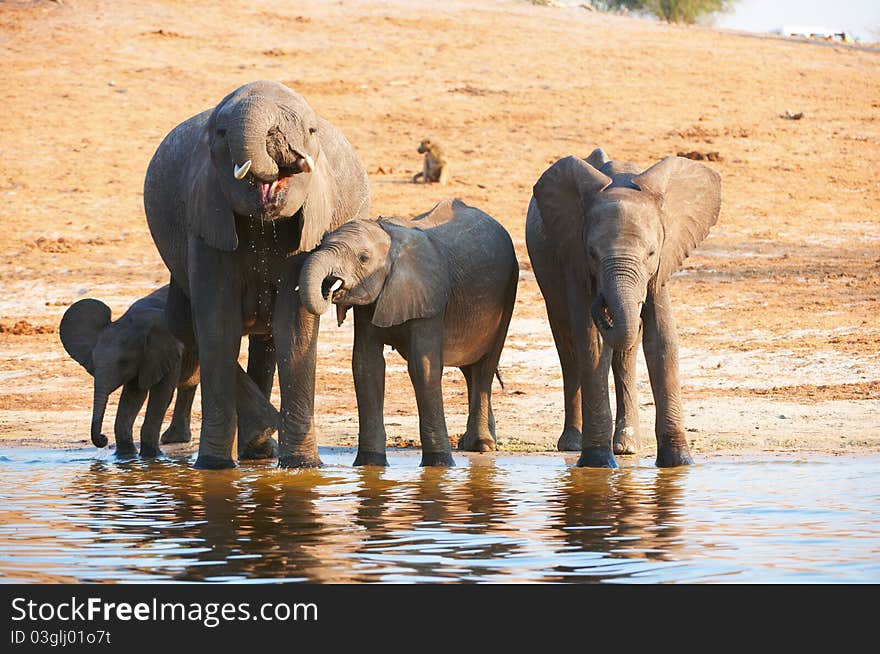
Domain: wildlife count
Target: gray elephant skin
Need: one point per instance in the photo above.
(139, 353)
(439, 289)
(604, 238)
(235, 196)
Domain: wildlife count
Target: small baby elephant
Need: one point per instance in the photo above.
(439, 289)
(435, 167)
(139, 353)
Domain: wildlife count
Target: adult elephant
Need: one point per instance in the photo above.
(234, 197)
(604, 239)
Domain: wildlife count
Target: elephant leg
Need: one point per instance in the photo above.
(157, 406)
(425, 367)
(560, 326)
(368, 368)
(261, 362)
(661, 353)
(257, 420)
(130, 403)
(178, 316)
(480, 433)
(179, 430)
(594, 361)
(626, 420)
(218, 324)
(295, 331)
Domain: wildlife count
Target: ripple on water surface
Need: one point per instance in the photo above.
(83, 516)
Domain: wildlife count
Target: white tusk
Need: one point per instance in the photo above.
(296, 289)
(240, 171)
(336, 285)
(309, 164)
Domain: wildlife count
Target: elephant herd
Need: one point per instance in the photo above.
(259, 209)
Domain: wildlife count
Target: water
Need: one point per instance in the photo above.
(82, 516)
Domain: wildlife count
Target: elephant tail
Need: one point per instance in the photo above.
(498, 376)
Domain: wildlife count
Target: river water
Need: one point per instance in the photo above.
(80, 515)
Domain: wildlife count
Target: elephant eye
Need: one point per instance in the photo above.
(312, 130)
(363, 257)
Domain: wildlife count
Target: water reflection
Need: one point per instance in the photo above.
(616, 523)
(67, 517)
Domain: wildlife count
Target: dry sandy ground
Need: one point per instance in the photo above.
(777, 311)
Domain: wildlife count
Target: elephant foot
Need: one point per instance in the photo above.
(371, 459)
(150, 451)
(440, 459)
(268, 449)
(626, 441)
(597, 457)
(671, 456)
(569, 441)
(476, 443)
(211, 462)
(299, 461)
(176, 434)
(126, 451)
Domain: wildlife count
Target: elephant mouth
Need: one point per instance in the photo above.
(273, 194)
(602, 315)
(332, 288)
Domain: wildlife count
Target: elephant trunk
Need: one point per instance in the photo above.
(253, 119)
(616, 310)
(99, 406)
(315, 280)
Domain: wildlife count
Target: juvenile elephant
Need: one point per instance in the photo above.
(234, 196)
(439, 289)
(604, 239)
(139, 353)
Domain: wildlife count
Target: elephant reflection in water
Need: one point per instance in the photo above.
(388, 509)
(436, 501)
(280, 520)
(374, 492)
(250, 526)
(620, 506)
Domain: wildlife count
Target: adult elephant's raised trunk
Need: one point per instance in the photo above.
(617, 308)
(247, 139)
(315, 279)
(99, 406)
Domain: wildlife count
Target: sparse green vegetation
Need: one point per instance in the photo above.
(672, 11)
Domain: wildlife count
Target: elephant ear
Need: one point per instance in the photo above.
(689, 197)
(80, 327)
(418, 283)
(597, 158)
(563, 193)
(162, 352)
(317, 210)
(208, 212)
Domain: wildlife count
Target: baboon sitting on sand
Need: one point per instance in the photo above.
(435, 168)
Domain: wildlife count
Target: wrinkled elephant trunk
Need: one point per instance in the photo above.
(616, 312)
(314, 282)
(99, 406)
(247, 141)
